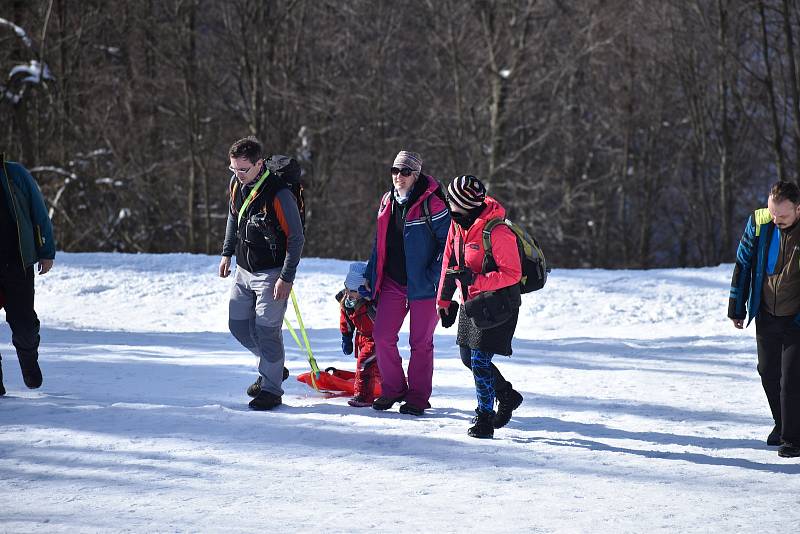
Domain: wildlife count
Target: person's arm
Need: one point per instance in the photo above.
(740, 282)
(228, 246)
(447, 285)
(292, 226)
(42, 226)
(440, 222)
(506, 256)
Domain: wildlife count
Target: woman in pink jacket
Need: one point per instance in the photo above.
(490, 297)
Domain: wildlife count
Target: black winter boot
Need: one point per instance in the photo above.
(789, 450)
(774, 438)
(31, 373)
(265, 401)
(255, 388)
(483, 426)
(508, 400)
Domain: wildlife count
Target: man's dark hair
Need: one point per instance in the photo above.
(249, 148)
(785, 191)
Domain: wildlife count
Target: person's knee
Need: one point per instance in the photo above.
(466, 357)
(240, 328)
(480, 360)
(270, 342)
(383, 336)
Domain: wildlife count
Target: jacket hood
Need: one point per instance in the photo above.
(493, 210)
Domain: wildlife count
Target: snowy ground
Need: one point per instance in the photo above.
(643, 412)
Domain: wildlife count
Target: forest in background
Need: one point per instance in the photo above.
(628, 134)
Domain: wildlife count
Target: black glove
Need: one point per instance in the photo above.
(347, 344)
(463, 275)
(449, 318)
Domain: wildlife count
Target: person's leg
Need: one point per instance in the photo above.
(241, 311)
(500, 383)
(423, 322)
(18, 288)
(484, 382)
(391, 310)
(364, 385)
(269, 315)
(790, 386)
(769, 342)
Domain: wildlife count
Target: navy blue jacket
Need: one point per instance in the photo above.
(27, 208)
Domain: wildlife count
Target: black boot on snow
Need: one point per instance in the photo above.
(508, 400)
(774, 438)
(483, 426)
(265, 401)
(255, 388)
(789, 450)
(31, 373)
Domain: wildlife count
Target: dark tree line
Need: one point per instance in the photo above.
(623, 133)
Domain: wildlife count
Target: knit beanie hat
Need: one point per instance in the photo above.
(466, 192)
(412, 160)
(355, 276)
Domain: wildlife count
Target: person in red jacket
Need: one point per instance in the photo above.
(356, 320)
(481, 281)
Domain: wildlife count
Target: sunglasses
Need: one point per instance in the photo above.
(240, 171)
(405, 171)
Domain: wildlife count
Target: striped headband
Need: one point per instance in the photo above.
(466, 192)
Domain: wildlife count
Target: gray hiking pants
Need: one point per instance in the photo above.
(255, 320)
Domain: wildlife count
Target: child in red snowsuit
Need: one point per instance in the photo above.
(356, 318)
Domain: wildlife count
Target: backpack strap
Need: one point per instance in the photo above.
(487, 242)
(426, 214)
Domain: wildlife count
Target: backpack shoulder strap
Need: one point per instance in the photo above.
(487, 234)
(426, 214)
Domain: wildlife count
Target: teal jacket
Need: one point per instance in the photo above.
(26, 205)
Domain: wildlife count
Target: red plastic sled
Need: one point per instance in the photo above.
(336, 381)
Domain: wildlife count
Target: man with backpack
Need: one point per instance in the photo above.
(265, 232)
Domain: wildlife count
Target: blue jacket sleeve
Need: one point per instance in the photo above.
(441, 226)
(42, 226)
(742, 272)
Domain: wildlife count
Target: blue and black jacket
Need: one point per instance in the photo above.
(761, 258)
(26, 206)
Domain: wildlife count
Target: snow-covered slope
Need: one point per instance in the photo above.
(643, 412)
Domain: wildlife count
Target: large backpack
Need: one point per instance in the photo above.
(532, 260)
(288, 170)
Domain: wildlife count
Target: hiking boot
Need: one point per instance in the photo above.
(788, 450)
(31, 373)
(384, 403)
(265, 401)
(359, 402)
(483, 429)
(508, 400)
(409, 409)
(255, 388)
(774, 438)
